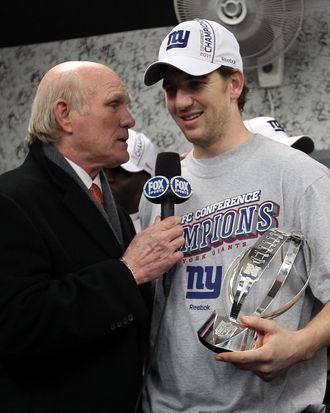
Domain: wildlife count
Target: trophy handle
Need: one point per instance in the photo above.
(286, 268)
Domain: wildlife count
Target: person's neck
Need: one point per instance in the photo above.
(67, 152)
(234, 136)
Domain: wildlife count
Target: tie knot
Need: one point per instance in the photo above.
(95, 190)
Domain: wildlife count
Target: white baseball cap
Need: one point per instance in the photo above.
(142, 153)
(271, 128)
(196, 47)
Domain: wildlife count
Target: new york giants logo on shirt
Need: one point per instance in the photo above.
(178, 39)
(215, 230)
(204, 282)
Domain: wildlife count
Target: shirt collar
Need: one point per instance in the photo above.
(83, 175)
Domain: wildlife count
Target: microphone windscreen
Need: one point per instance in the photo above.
(168, 164)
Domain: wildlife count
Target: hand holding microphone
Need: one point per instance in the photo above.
(167, 188)
(155, 250)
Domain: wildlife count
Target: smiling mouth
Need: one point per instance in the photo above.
(187, 118)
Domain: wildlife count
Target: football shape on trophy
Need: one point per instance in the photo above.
(252, 285)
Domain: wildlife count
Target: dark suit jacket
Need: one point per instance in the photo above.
(72, 319)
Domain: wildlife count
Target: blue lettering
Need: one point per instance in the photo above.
(191, 238)
(178, 39)
(268, 213)
(247, 221)
(202, 283)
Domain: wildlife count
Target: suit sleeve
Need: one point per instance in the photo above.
(40, 310)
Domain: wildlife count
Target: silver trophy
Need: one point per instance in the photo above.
(250, 286)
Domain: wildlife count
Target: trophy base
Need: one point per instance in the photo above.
(220, 334)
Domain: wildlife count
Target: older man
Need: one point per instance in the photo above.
(73, 280)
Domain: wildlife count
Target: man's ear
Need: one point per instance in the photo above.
(61, 110)
(236, 84)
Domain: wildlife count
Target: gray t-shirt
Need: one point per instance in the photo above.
(237, 196)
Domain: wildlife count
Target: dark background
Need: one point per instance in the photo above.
(26, 22)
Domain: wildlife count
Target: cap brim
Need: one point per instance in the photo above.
(303, 143)
(131, 167)
(194, 67)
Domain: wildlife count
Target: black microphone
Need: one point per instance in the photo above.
(168, 165)
(167, 188)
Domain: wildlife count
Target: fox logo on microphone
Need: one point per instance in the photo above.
(156, 187)
(181, 187)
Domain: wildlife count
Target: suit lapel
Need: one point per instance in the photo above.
(89, 216)
(76, 199)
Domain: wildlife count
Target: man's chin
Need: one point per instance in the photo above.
(191, 136)
(114, 163)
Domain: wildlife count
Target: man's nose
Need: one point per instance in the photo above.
(127, 119)
(183, 99)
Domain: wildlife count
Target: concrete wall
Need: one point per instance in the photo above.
(301, 103)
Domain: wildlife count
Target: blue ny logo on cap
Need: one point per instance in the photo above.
(178, 39)
(275, 125)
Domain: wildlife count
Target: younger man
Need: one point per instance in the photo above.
(243, 185)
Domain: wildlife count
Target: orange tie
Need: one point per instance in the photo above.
(97, 193)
